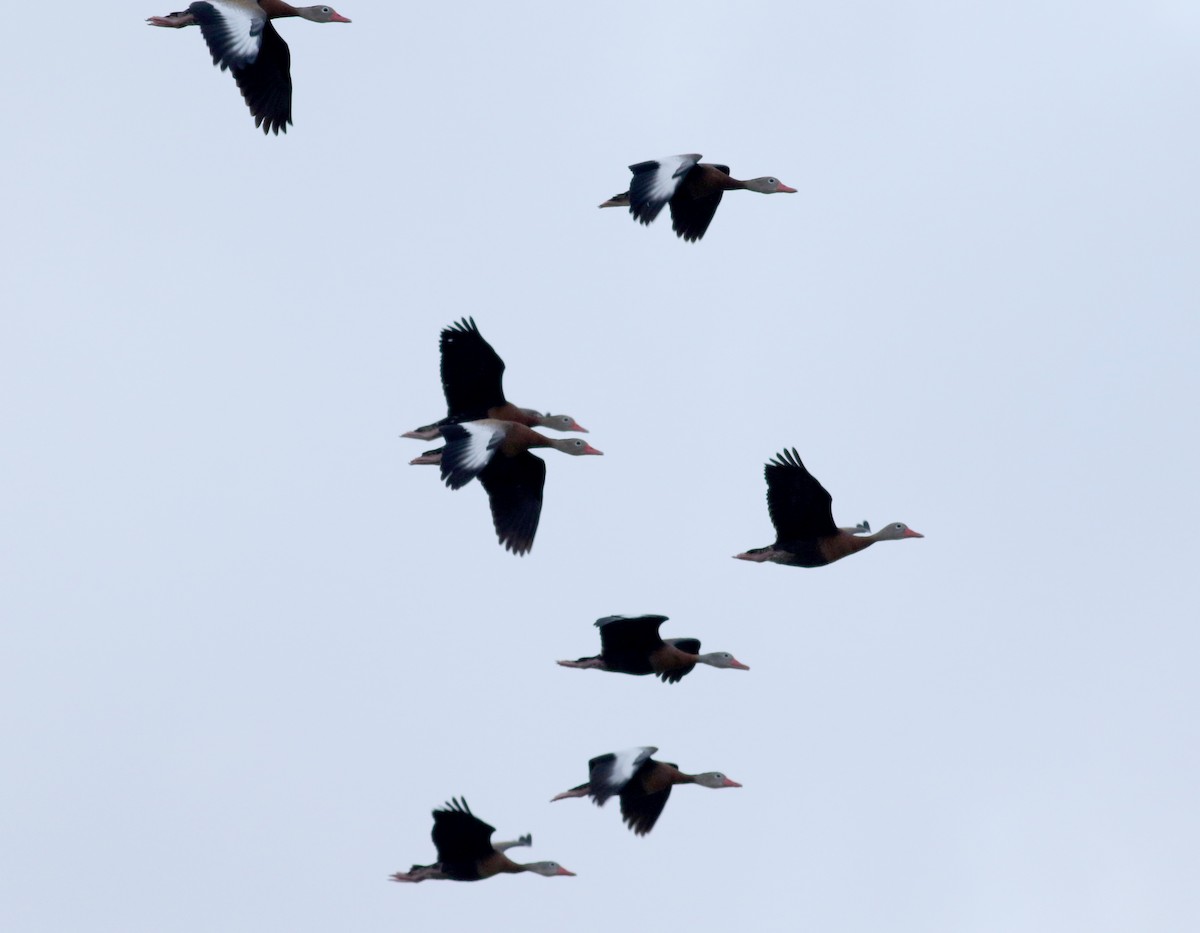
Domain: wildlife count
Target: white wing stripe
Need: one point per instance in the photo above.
(627, 762)
(670, 171)
(478, 450)
(237, 34)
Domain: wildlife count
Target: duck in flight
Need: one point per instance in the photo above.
(692, 188)
(632, 645)
(642, 784)
(498, 453)
(473, 383)
(802, 513)
(242, 39)
(465, 851)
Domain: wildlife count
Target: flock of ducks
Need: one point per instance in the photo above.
(488, 438)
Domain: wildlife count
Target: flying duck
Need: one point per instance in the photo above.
(642, 783)
(473, 381)
(465, 851)
(801, 511)
(498, 452)
(692, 188)
(632, 645)
(241, 38)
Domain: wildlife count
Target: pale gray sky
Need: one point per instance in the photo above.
(247, 649)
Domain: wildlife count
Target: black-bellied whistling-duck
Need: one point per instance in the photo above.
(801, 511)
(632, 645)
(692, 188)
(473, 381)
(241, 38)
(498, 453)
(466, 852)
(642, 783)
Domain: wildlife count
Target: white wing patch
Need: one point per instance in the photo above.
(670, 172)
(234, 35)
(627, 763)
(481, 440)
(469, 448)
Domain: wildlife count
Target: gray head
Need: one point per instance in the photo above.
(549, 869)
(767, 185)
(895, 531)
(721, 659)
(560, 423)
(713, 779)
(320, 14)
(575, 446)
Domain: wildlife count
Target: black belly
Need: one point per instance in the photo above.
(800, 554)
(624, 663)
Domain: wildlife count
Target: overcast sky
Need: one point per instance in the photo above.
(247, 648)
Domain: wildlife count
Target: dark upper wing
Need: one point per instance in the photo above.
(696, 201)
(800, 507)
(655, 182)
(459, 835)
(266, 84)
(472, 372)
(630, 633)
(514, 487)
(641, 810)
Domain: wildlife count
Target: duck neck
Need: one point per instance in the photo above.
(277, 9)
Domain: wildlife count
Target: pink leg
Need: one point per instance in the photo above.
(418, 873)
(584, 663)
(172, 20)
(582, 791)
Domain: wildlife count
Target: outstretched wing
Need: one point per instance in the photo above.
(459, 835)
(630, 634)
(472, 372)
(641, 810)
(695, 203)
(514, 487)
(654, 183)
(799, 505)
(242, 39)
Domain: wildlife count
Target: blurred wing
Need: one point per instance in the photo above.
(472, 372)
(641, 810)
(800, 507)
(459, 835)
(695, 202)
(514, 487)
(608, 774)
(654, 183)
